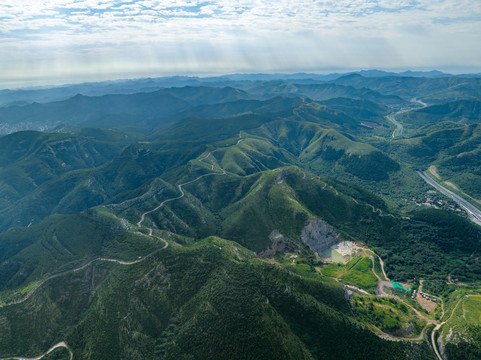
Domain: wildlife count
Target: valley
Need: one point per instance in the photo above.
(163, 224)
(399, 128)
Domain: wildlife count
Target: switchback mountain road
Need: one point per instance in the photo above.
(117, 261)
(473, 212)
(182, 194)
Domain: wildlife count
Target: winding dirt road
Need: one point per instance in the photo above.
(382, 293)
(366, 250)
(117, 261)
(61, 344)
(385, 336)
(182, 194)
(420, 102)
(437, 327)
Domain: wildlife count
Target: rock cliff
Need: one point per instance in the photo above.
(319, 235)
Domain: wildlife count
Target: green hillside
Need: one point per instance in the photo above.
(454, 153)
(193, 222)
(30, 159)
(191, 302)
(46, 181)
(317, 91)
(60, 242)
(431, 90)
(461, 112)
(143, 109)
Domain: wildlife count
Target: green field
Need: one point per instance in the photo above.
(388, 315)
(463, 331)
(357, 272)
(468, 312)
(361, 275)
(337, 269)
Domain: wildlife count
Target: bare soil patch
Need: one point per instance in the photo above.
(427, 305)
(434, 170)
(449, 183)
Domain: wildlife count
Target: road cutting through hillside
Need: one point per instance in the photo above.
(420, 102)
(366, 250)
(437, 327)
(36, 287)
(61, 344)
(117, 261)
(473, 212)
(182, 194)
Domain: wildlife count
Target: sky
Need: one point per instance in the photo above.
(64, 41)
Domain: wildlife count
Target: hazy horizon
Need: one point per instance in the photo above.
(47, 83)
(67, 41)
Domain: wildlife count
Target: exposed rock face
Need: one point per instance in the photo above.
(279, 245)
(319, 235)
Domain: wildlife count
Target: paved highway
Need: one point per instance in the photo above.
(399, 128)
(473, 212)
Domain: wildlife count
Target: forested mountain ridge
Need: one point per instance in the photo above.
(192, 222)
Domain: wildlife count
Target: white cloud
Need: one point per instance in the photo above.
(248, 35)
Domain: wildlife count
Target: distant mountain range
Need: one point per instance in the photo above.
(55, 93)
